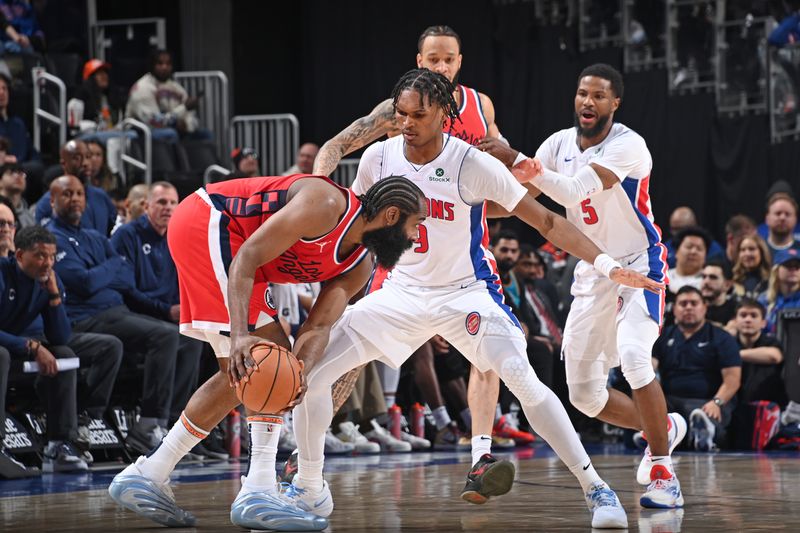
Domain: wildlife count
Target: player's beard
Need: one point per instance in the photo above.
(595, 130)
(388, 244)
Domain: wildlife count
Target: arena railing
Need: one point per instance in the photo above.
(41, 80)
(101, 32)
(345, 173)
(145, 165)
(276, 138)
(784, 92)
(214, 169)
(211, 88)
(741, 80)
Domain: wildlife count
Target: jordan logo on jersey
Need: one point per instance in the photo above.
(322, 245)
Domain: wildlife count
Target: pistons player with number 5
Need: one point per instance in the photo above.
(600, 171)
(449, 286)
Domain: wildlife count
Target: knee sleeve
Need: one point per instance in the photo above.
(589, 397)
(636, 365)
(507, 357)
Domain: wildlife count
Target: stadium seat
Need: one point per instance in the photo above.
(196, 156)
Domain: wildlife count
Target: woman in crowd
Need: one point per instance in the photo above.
(752, 269)
(101, 175)
(784, 287)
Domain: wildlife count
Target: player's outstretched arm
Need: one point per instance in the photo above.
(360, 133)
(566, 236)
(312, 338)
(312, 211)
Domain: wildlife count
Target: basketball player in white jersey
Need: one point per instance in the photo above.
(600, 171)
(447, 284)
(439, 50)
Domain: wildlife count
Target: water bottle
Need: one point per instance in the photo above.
(418, 420)
(395, 414)
(234, 434)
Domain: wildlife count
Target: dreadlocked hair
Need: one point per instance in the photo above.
(396, 191)
(436, 87)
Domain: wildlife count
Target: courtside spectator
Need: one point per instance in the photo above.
(780, 187)
(8, 227)
(682, 218)
(99, 212)
(245, 163)
(304, 163)
(159, 101)
(781, 221)
(143, 243)
(752, 268)
(99, 173)
(29, 288)
(12, 185)
(691, 245)
(21, 15)
(96, 278)
(784, 287)
(716, 290)
(737, 228)
(700, 370)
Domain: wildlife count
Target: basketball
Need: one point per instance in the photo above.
(274, 383)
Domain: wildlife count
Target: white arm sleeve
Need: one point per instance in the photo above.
(569, 191)
(483, 177)
(369, 169)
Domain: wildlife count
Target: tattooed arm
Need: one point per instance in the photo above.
(360, 133)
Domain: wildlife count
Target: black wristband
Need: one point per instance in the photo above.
(53, 296)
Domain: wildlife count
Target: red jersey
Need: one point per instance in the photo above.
(473, 126)
(248, 203)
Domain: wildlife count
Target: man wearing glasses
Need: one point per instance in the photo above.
(12, 185)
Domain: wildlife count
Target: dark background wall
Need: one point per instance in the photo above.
(331, 62)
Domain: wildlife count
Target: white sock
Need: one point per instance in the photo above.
(586, 474)
(309, 474)
(183, 436)
(481, 444)
(662, 460)
(441, 416)
(265, 432)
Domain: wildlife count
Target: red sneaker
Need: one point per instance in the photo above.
(503, 428)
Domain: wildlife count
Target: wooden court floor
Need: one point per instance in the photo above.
(419, 492)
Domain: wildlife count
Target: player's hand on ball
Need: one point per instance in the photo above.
(629, 278)
(527, 169)
(301, 390)
(240, 360)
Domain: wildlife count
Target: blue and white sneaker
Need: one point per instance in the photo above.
(675, 434)
(148, 499)
(607, 512)
(272, 510)
(664, 490)
(319, 503)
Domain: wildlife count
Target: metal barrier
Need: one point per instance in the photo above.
(147, 141)
(40, 81)
(211, 87)
(692, 53)
(743, 65)
(276, 138)
(784, 92)
(597, 25)
(214, 169)
(100, 40)
(345, 173)
(642, 42)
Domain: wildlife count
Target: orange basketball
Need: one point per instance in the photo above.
(275, 384)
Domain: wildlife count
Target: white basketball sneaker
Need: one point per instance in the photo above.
(664, 490)
(675, 434)
(319, 503)
(348, 432)
(607, 512)
(385, 439)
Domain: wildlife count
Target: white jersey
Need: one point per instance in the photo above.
(618, 220)
(453, 244)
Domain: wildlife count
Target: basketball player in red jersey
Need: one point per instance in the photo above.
(228, 241)
(439, 50)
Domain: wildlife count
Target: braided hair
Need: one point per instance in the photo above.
(436, 87)
(395, 191)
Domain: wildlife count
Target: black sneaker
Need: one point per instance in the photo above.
(488, 477)
(82, 441)
(60, 456)
(289, 469)
(213, 446)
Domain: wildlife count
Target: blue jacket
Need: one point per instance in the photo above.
(788, 31)
(782, 302)
(94, 275)
(156, 278)
(13, 129)
(22, 301)
(100, 214)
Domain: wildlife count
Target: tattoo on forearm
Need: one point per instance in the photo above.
(343, 387)
(359, 133)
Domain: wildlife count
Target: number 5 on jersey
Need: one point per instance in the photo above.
(422, 239)
(589, 213)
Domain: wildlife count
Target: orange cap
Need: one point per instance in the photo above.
(92, 66)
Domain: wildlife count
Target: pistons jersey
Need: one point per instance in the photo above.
(452, 247)
(471, 126)
(248, 203)
(618, 220)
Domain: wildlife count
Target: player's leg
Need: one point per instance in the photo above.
(483, 390)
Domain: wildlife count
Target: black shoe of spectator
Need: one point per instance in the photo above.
(60, 456)
(215, 445)
(83, 440)
(143, 440)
